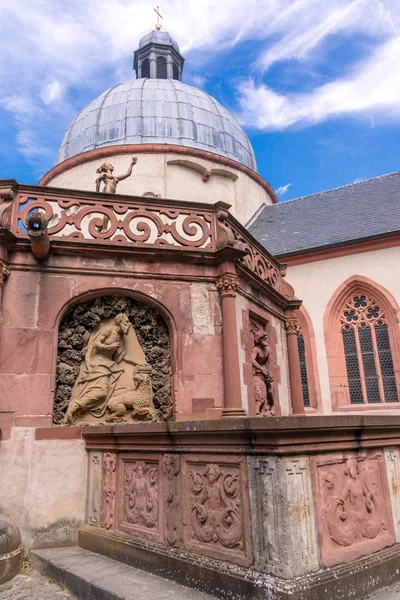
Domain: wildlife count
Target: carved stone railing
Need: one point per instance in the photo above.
(117, 221)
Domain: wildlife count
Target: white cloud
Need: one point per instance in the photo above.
(373, 86)
(283, 189)
(66, 45)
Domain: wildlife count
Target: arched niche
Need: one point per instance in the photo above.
(76, 328)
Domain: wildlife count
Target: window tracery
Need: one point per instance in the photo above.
(368, 355)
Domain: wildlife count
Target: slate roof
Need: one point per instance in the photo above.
(353, 212)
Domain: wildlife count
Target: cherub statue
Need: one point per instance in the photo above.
(111, 181)
(262, 378)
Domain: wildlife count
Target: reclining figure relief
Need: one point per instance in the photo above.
(114, 380)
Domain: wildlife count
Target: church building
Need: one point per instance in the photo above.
(193, 374)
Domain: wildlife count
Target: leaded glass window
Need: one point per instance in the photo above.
(303, 368)
(367, 351)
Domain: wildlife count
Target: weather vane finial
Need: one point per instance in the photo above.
(159, 16)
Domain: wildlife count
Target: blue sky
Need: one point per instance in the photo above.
(315, 84)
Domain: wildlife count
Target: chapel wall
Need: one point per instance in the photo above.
(175, 177)
(317, 282)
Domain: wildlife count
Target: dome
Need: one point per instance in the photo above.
(158, 37)
(157, 111)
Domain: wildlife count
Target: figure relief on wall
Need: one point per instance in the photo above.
(351, 502)
(141, 494)
(109, 488)
(216, 515)
(262, 376)
(110, 180)
(114, 379)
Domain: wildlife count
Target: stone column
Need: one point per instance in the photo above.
(153, 65)
(227, 285)
(170, 62)
(292, 327)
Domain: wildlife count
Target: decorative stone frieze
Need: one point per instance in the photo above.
(281, 504)
(216, 508)
(139, 499)
(353, 512)
(227, 285)
(109, 490)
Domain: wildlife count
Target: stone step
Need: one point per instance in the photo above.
(90, 576)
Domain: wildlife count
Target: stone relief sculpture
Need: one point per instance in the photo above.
(141, 494)
(111, 181)
(352, 505)
(173, 521)
(109, 489)
(216, 507)
(262, 377)
(114, 379)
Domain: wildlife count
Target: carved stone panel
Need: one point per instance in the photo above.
(352, 505)
(140, 496)
(113, 363)
(109, 490)
(283, 523)
(172, 498)
(93, 503)
(216, 508)
(392, 460)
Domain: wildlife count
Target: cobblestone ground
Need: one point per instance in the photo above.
(32, 586)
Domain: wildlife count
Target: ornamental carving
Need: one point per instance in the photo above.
(292, 326)
(225, 235)
(227, 285)
(109, 485)
(5, 216)
(130, 382)
(4, 272)
(354, 514)
(121, 223)
(140, 503)
(262, 376)
(362, 311)
(216, 509)
(172, 499)
(114, 379)
(257, 262)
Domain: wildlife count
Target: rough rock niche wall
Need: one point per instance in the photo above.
(152, 333)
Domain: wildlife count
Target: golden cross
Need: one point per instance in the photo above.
(159, 16)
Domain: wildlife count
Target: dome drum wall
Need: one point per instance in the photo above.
(173, 175)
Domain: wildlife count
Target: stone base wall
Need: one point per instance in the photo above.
(286, 498)
(43, 487)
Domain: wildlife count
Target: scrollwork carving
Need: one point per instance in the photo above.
(225, 235)
(140, 506)
(216, 516)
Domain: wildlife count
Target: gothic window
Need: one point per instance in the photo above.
(146, 68)
(368, 356)
(303, 368)
(161, 67)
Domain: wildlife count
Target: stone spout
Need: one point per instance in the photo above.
(36, 226)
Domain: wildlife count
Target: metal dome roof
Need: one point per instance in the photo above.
(158, 37)
(160, 111)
